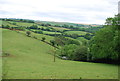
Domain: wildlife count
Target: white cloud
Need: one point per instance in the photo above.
(78, 11)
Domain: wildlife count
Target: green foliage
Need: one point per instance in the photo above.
(20, 20)
(43, 39)
(105, 43)
(74, 52)
(28, 33)
(33, 27)
(39, 31)
(7, 26)
(14, 23)
(30, 58)
(68, 51)
(61, 40)
(82, 40)
(52, 42)
(80, 53)
(88, 36)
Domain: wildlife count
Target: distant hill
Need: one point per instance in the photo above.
(52, 22)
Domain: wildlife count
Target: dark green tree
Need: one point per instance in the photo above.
(52, 42)
(43, 39)
(88, 36)
(105, 44)
(28, 33)
(80, 53)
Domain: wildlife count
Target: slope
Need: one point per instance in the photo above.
(31, 59)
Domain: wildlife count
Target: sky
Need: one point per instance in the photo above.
(75, 11)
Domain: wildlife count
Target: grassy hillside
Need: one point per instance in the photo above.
(29, 58)
(39, 36)
(22, 23)
(8, 23)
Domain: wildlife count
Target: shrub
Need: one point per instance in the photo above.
(43, 39)
(28, 33)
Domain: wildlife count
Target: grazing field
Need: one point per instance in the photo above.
(29, 58)
(60, 28)
(47, 32)
(23, 23)
(7, 23)
(76, 32)
(39, 36)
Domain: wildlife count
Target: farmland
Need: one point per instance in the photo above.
(30, 58)
(34, 50)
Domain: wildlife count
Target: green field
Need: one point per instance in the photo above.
(39, 36)
(60, 28)
(82, 39)
(22, 23)
(47, 32)
(7, 23)
(76, 32)
(33, 59)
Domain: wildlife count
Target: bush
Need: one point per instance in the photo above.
(80, 53)
(73, 52)
(52, 42)
(28, 33)
(43, 39)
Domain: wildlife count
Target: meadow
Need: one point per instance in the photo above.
(76, 32)
(29, 58)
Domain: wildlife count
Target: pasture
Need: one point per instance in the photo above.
(33, 59)
(76, 32)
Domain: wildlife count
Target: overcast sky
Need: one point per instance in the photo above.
(76, 11)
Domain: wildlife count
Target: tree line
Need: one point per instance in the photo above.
(103, 47)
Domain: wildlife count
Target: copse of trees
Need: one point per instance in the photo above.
(88, 36)
(61, 40)
(104, 46)
(6, 26)
(81, 53)
(33, 27)
(46, 25)
(39, 31)
(73, 52)
(18, 28)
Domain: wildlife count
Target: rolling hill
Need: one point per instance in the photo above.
(28, 58)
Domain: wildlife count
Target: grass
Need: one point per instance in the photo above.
(47, 32)
(7, 23)
(0, 22)
(76, 32)
(22, 23)
(39, 36)
(82, 39)
(31, 59)
(60, 28)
